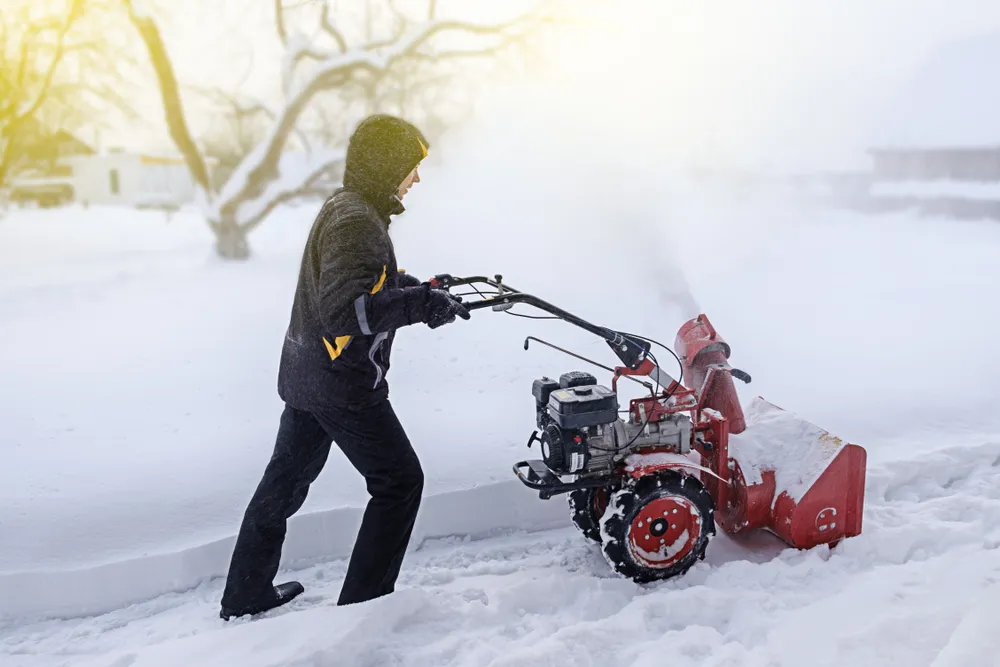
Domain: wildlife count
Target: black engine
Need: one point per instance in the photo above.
(579, 429)
(568, 412)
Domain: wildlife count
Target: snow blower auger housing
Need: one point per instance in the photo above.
(652, 485)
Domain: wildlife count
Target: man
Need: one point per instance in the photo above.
(349, 302)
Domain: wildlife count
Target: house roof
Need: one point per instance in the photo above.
(35, 143)
(70, 144)
(952, 101)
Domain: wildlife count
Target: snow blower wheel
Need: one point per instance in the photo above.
(586, 507)
(659, 528)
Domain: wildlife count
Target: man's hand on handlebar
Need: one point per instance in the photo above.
(442, 308)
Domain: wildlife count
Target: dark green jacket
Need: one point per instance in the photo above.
(348, 305)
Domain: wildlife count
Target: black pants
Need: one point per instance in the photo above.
(375, 443)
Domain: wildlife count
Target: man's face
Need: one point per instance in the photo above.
(411, 178)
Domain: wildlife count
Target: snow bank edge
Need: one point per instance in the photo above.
(325, 535)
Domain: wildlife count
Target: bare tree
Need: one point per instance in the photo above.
(321, 56)
(54, 69)
(236, 126)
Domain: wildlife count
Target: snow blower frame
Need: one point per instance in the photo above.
(652, 486)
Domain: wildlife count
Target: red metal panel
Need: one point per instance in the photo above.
(830, 510)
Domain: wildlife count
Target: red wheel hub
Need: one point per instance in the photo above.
(664, 531)
(599, 502)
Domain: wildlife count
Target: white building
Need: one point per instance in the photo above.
(130, 179)
(944, 124)
(937, 147)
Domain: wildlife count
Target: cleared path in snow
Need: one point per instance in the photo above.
(916, 589)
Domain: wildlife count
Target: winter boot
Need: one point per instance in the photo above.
(283, 594)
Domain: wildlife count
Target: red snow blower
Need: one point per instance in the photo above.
(651, 485)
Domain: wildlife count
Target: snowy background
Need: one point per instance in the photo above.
(138, 403)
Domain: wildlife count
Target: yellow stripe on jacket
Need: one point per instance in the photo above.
(340, 343)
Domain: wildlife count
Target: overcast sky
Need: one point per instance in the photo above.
(788, 82)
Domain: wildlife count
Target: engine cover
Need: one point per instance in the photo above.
(583, 406)
(576, 379)
(563, 451)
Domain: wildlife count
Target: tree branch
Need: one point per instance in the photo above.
(331, 30)
(279, 21)
(3, 40)
(400, 24)
(282, 195)
(32, 93)
(22, 66)
(239, 109)
(170, 94)
(7, 99)
(37, 29)
(75, 10)
(382, 43)
(261, 165)
(302, 52)
(111, 94)
(486, 51)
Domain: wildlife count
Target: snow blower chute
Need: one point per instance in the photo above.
(651, 485)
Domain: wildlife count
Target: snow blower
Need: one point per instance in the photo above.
(651, 485)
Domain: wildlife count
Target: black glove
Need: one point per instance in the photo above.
(406, 280)
(442, 308)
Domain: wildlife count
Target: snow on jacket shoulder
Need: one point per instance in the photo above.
(348, 305)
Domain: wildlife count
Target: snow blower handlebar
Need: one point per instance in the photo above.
(631, 350)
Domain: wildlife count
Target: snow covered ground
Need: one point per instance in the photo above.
(919, 588)
(138, 408)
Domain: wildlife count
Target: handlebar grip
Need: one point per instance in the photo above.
(479, 305)
(742, 376)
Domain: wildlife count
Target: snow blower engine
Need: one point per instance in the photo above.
(651, 481)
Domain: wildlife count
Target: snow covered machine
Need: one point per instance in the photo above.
(650, 482)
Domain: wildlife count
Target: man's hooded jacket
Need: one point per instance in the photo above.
(349, 300)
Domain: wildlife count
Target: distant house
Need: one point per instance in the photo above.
(131, 179)
(938, 144)
(36, 147)
(40, 174)
(53, 167)
(970, 164)
(115, 178)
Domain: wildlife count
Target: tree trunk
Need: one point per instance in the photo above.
(231, 240)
